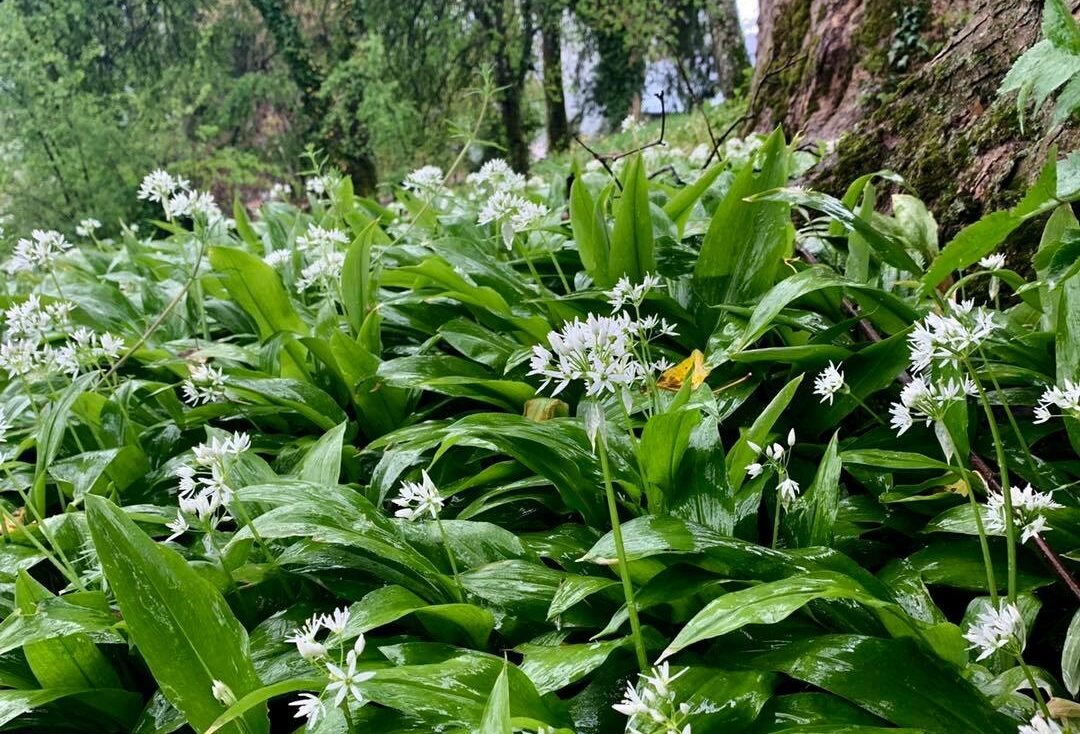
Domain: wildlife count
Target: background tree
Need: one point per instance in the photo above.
(910, 88)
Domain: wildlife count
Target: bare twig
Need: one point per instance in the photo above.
(606, 159)
(769, 72)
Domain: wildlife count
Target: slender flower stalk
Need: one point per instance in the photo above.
(418, 500)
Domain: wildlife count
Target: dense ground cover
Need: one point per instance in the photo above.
(401, 468)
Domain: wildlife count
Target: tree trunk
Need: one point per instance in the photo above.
(832, 68)
(558, 129)
(492, 16)
(728, 47)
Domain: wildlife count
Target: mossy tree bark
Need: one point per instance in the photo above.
(558, 128)
(728, 47)
(912, 92)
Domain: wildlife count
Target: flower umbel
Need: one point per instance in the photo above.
(997, 629)
(1028, 507)
(829, 382)
(417, 499)
(651, 706)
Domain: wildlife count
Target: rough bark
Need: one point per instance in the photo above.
(558, 129)
(492, 16)
(825, 68)
(728, 47)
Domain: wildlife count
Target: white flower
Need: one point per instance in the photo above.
(500, 205)
(344, 683)
(158, 186)
(324, 272)
(111, 345)
(920, 400)
(419, 498)
(319, 185)
(192, 203)
(993, 262)
(630, 124)
(626, 292)
(179, 526)
(277, 257)
(651, 706)
(496, 175)
(529, 215)
(317, 237)
(214, 451)
(304, 638)
(754, 470)
(33, 320)
(279, 192)
(427, 181)
(598, 351)
(40, 251)
(829, 382)
(309, 707)
(787, 490)
(946, 339)
(1040, 725)
(1028, 507)
(222, 693)
(1066, 399)
(335, 621)
(87, 227)
(995, 629)
(206, 384)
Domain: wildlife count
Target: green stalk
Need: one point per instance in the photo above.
(1028, 458)
(620, 553)
(1006, 488)
(450, 555)
(1034, 686)
(991, 582)
(776, 522)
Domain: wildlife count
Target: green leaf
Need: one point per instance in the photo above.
(262, 695)
(892, 679)
(70, 661)
(1060, 27)
(322, 463)
(664, 440)
(50, 435)
(1070, 656)
(496, 718)
(296, 395)
(747, 241)
(356, 277)
(765, 604)
(679, 206)
(106, 708)
(632, 237)
(813, 517)
(590, 231)
(183, 627)
(258, 289)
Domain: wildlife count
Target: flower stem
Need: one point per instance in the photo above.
(991, 582)
(776, 523)
(1034, 686)
(450, 555)
(1006, 488)
(620, 553)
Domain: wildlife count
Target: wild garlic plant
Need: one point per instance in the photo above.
(652, 706)
(422, 500)
(345, 682)
(777, 457)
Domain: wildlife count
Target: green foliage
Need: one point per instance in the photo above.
(338, 409)
(1050, 65)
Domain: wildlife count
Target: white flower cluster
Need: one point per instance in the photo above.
(344, 679)
(1028, 507)
(27, 350)
(203, 489)
(993, 262)
(514, 212)
(324, 272)
(417, 499)
(997, 629)
(322, 183)
(39, 252)
(278, 192)
(1065, 399)
(205, 384)
(604, 352)
(947, 339)
(1040, 725)
(318, 238)
(626, 293)
(177, 198)
(87, 227)
(653, 709)
(777, 458)
(496, 175)
(319, 247)
(928, 401)
(426, 182)
(829, 382)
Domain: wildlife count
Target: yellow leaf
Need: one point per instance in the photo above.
(694, 366)
(542, 409)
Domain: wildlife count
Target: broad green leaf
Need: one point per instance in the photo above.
(746, 242)
(296, 395)
(70, 661)
(590, 232)
(632, 237)
(50, 435)
(1070, 656)
(553, 667)
(888, 248)
(261, 696)
(258, 289)
(181, 624)
(813, 518)
(356, 283)
(682, 203)
(911, 690)
(97, 707)
(322, 463)
(496, 718)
